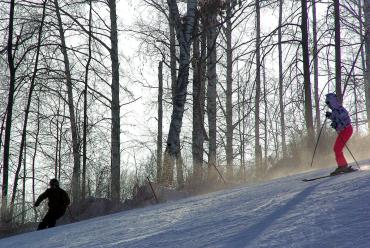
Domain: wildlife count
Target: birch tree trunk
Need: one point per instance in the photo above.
(115, 108)
(9, 111)
(72, 117)
(306, 75)
(184, 36)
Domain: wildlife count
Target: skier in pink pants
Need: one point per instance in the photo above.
(341, 122)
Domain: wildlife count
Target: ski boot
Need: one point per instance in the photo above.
(342, 170)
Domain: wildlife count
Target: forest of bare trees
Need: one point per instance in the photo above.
(103, 95)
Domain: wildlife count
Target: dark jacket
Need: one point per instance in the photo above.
(58, 199)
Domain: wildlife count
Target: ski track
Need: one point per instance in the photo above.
(286, 213)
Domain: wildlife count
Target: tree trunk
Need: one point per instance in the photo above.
(241, 124)
(57, 142)
(316, 67)
(115, 163)
(265, 121)
(363, 61)
(198, 103)
(34, 156)
(306, 75)
(355, 101)
(160, 120)
(72, 117)
(179, 171)
(367, 52)
(229, 92)
(24, 185)
(211, 93)
(281, 81)
(1, 133)
(168, 163)
(9, 111)
(257, 145)
(84, 139)
(184, 36)
(338, 66)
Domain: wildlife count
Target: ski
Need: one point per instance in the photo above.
(317, 178)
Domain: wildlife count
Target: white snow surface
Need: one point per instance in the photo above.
(286, 212)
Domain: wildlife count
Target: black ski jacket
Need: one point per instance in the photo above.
(58, 199)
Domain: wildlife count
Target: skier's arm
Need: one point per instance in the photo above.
(42, 197)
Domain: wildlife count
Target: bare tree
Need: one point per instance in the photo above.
(9, 111)
(367, 52)
(281, 81)
(72, 117)
(229, 89)
(315, 65)
(338, 62)
(160, 120)
(306, 74)
(27, 110)
(85, 124)
(184, 33)
(115, 105)
(257, 145)
(199, 56)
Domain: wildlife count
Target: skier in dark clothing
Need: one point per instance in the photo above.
(341, 122)
(58, 203)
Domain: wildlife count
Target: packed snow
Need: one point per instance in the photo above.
(286, 212)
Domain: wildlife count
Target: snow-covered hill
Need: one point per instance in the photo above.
(328, 213)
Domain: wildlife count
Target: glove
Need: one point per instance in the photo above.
(328, 114)
(333, 125)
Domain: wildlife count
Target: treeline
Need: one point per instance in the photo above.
(239, 86)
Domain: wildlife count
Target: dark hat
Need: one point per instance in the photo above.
(54, 183)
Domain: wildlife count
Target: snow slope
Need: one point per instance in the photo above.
(332, 212)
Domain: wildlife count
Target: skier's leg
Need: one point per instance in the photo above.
(56, 214)
(44, 223)
(340, 142)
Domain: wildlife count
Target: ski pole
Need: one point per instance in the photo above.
(155, 196)
(12, 218)
(219, 173)
(317, 142)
